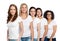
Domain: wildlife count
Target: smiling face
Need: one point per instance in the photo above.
(23, 8)
(12, 10)
(49, 16)
(32, 12)
(39, 13)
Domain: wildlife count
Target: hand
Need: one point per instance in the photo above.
(18, 39)
(50, 39)
(42, 39)
(7, 39)
(32, 40)
(38, 40)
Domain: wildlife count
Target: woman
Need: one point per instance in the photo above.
(43, 25)
(27, 23)
(13, 22)
(52, 27)
(36, 23)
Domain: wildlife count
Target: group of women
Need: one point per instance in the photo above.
(30, 26)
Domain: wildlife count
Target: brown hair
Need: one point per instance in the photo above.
(20, 12)
(9, 14)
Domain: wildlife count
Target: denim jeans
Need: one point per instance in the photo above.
(35, 39)
(54, 39)
(44, 39)
(12, 39)
(25, 39)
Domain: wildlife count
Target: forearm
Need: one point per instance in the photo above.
(21, 33)
(7, 34)
(54, 31)
(53, 34)
(32, 35)
(38, 35)
(45, 33)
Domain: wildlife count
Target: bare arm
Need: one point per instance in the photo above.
(54, 31)
(46, 30)
(32, 30)
(7, 34)
(38, 29)
(21, 30)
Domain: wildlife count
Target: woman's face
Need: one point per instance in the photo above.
(12, 10)
(24, 9)
(39, 13)
(49, 15)
(32, 12)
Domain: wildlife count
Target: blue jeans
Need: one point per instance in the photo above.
(44, 39)
(25, 39)
(54, 39)
(35, 39)
(12, 39)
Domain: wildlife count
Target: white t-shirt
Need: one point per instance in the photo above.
(42, 24)
(35, 22)
(26, 26)
(13, 28)
(50, 28)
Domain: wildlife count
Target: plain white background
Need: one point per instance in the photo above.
(53, 5)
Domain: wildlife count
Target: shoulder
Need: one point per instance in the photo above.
(29, 16)
(37, 19)
(44, 19)
(53, 22)
(19, 19)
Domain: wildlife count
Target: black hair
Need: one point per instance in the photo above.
(52, 14)
(30, 10)
(40, 10)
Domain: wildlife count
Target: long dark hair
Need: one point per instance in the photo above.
(9, 14)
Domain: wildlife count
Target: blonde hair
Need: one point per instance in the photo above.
(20, 13)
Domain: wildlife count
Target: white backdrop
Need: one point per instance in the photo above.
(53, 5)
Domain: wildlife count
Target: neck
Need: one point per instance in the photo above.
(33, 17)
(49, 20)
(24, 15)
(40, 17)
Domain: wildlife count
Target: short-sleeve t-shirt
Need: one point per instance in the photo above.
(43, 22)
(50, 28)
(26, 26)
(35, 22)
(13, 28)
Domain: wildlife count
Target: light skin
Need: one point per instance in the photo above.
(12, 11)
(21, 31)
(39, 14)
(24, 10)
(45, 26)
(54, 26)
(24, 16)
(33, 12)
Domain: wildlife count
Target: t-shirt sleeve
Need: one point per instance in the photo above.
(38, 20)
(45, 22)
(54, 23)
(30, 18)
(19, 19)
